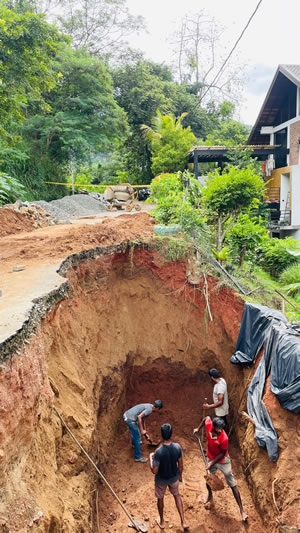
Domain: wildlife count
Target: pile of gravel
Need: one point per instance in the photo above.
(79, 205)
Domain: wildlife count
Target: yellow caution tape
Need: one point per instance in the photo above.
(89, 185)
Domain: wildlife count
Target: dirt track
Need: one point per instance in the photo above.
(41, 252)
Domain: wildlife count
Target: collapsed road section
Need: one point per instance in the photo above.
(127, 328)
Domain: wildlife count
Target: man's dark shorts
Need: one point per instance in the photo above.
(161, 489)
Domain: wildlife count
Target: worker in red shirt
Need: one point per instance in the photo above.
(217, 453)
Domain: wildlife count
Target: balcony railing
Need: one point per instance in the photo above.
(273, 194)
(285, 217)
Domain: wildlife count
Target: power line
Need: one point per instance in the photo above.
(232, 50)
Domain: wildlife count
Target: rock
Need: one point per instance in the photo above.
(18, 268)
(1, 292)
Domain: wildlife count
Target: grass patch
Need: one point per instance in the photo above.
(173, 248)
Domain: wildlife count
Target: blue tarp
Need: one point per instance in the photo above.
(266, 327)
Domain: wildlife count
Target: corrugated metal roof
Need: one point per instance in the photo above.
(292, 72)
(243, 147)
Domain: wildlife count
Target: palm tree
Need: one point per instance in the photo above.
(161, 124)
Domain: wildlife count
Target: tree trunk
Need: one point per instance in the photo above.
(242, 257)
(219, 234)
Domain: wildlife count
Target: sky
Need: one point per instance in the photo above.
(272, 38)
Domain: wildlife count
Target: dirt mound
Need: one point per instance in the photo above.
(12, 222)
(60, 241)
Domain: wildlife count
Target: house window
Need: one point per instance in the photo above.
(281, 138)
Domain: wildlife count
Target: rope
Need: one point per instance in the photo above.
(96, 468)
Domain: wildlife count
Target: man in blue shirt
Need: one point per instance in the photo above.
(135, 420)
(166, 463)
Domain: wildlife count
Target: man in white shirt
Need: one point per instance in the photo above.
(220, 395)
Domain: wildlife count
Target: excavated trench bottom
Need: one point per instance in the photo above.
(132, 329)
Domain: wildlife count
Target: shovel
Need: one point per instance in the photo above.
(138, 526)
(150, 442)
(212, 480)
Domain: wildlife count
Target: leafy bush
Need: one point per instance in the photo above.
(291, 275)
(164, 184)
(274, 256)
(290, 278)
(233, 190)
(10, 189)
(178, 200)
(245, 236)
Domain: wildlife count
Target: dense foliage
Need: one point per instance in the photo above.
(274, 255)
(28, 45)
(63, 106)
(10, 189)
(244, 237)
(178, 200)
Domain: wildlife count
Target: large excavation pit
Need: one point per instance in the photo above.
(130, 329)
(183, 394)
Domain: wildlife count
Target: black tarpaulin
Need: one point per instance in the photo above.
(256, 323)
(285, 368)
(266, 327)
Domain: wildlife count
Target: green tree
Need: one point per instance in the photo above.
(170, 143)
(245, 236)
(227, 194)
(229, 133)
(28, 45)
(82, 120)
(143, 87)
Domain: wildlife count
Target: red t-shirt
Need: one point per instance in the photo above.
(215, 445)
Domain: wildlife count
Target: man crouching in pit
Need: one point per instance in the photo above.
(166, 463)
(217, 453)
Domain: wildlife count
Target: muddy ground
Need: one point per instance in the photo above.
(183, 395)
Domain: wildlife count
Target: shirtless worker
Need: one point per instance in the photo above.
(220, 396)
(166, 463)
(135, 420)
(217, 453)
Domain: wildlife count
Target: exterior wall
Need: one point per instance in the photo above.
(295, 196)
(295, 233)
(294, 143)
(275, 180)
